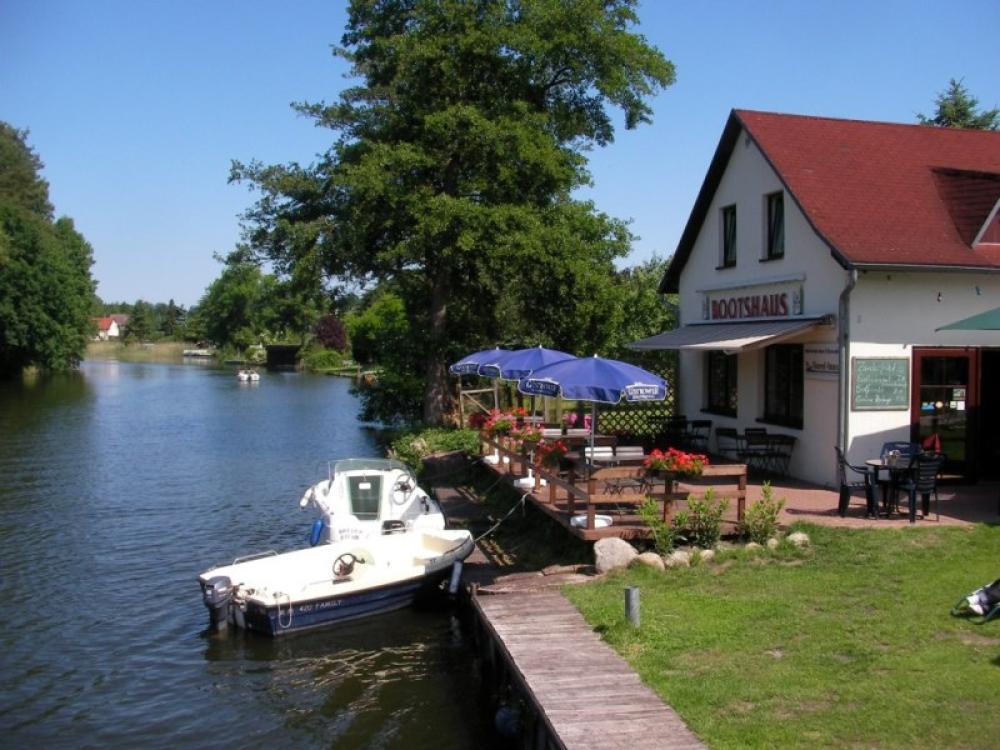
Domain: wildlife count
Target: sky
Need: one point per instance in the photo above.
(138, 108)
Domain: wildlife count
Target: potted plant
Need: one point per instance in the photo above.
(673, 463)
(525, 438)
(550, 453)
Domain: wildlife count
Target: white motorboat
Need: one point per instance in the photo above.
(248, 376)
(380, 544)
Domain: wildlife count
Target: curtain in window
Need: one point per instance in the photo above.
(775, 226)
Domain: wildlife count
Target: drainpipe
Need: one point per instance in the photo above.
(843, 336)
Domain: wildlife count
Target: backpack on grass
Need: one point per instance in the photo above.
(984, 602)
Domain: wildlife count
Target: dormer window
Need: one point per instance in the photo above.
(729, 236)
(775, 245)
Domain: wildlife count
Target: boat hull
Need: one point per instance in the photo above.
(297, 617)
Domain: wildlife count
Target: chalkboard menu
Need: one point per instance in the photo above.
(880, 384)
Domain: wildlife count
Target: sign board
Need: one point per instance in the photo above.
(821, 360)
(880, 383)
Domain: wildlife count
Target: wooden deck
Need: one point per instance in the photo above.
(563, 497)
(582, 693)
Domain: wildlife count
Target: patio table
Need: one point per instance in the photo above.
(895, 468)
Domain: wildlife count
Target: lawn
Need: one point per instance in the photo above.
(848, 645)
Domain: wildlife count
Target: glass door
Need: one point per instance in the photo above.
(945, 402)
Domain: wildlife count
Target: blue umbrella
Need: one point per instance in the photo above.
(606, 381)
(469, 365)
(521, 363)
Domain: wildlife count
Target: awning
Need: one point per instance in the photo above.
(728, 336)
(987, 321)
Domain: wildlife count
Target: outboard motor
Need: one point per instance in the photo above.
(217, 593)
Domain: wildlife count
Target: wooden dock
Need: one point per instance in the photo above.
(582, 694)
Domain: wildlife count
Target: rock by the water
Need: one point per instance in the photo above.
(677, 559)
(612, 553)
(651, 559)
(799, 539)
(773, 543)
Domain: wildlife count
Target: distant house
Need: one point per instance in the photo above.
(122, 320)
(107, 328)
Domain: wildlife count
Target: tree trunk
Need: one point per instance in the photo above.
(437, 395)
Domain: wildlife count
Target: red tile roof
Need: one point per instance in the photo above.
(103, 324)
(877, 193)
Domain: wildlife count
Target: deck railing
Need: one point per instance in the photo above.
(587, 500)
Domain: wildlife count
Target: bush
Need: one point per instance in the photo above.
(322, 359)
(700, 523)
(663, 533)
(760, 522)
(331, 333)
(412, 447)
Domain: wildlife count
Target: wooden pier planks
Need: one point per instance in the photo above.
(587, 694)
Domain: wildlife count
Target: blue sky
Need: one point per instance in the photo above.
(137, 108)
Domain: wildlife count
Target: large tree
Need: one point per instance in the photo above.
(46, 291)
(453, 167)
(957, 108)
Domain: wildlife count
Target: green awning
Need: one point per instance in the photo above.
(985, 321)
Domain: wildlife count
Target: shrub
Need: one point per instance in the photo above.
(331, 333)
(700, 523)
(322, 359)
(412, 447)
(760, 522)
(663, 533)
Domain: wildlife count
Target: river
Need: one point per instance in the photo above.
(118, 485)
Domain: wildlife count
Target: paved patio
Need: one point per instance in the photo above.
(961, 505)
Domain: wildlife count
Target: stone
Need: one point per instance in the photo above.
(612, 553)
(677, 559)
(651, 559)
(706, 555)
(799, 539)
(753, 547)
(773, 543)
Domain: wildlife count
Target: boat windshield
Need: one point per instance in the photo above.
(371, 465)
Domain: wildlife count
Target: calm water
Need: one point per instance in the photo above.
(118, 485)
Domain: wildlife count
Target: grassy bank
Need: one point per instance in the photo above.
(163, 351)
(850, 646)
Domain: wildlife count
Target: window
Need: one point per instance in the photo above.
(783, 385)
(720, 386)
(775, 226)
(729, 236)
(365, 493)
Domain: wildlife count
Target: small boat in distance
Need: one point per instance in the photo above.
(248, 376)
(199, 353)
(379, 545)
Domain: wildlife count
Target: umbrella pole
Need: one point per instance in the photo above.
(593, 429)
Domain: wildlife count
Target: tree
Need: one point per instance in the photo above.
(330, 332)
(956, 108)
(141, 322)
(453, 167)
(46, 290)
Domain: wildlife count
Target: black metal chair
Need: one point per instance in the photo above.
(698, 433)
(847, 485)
(756, 449)
(781, 453)
(728, 443)
(922, 478)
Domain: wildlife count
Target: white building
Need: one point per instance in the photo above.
(819, 260)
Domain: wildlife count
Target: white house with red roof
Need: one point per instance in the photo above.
(818, 263)
(107, 328)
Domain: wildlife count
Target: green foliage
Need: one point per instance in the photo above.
(46, 291)
(760, 520)
(381, 332)
(318, 360)
(956, 108)
(700, 524)
(663, 533)
(452, 172)
(850, 646)
(413, 447)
